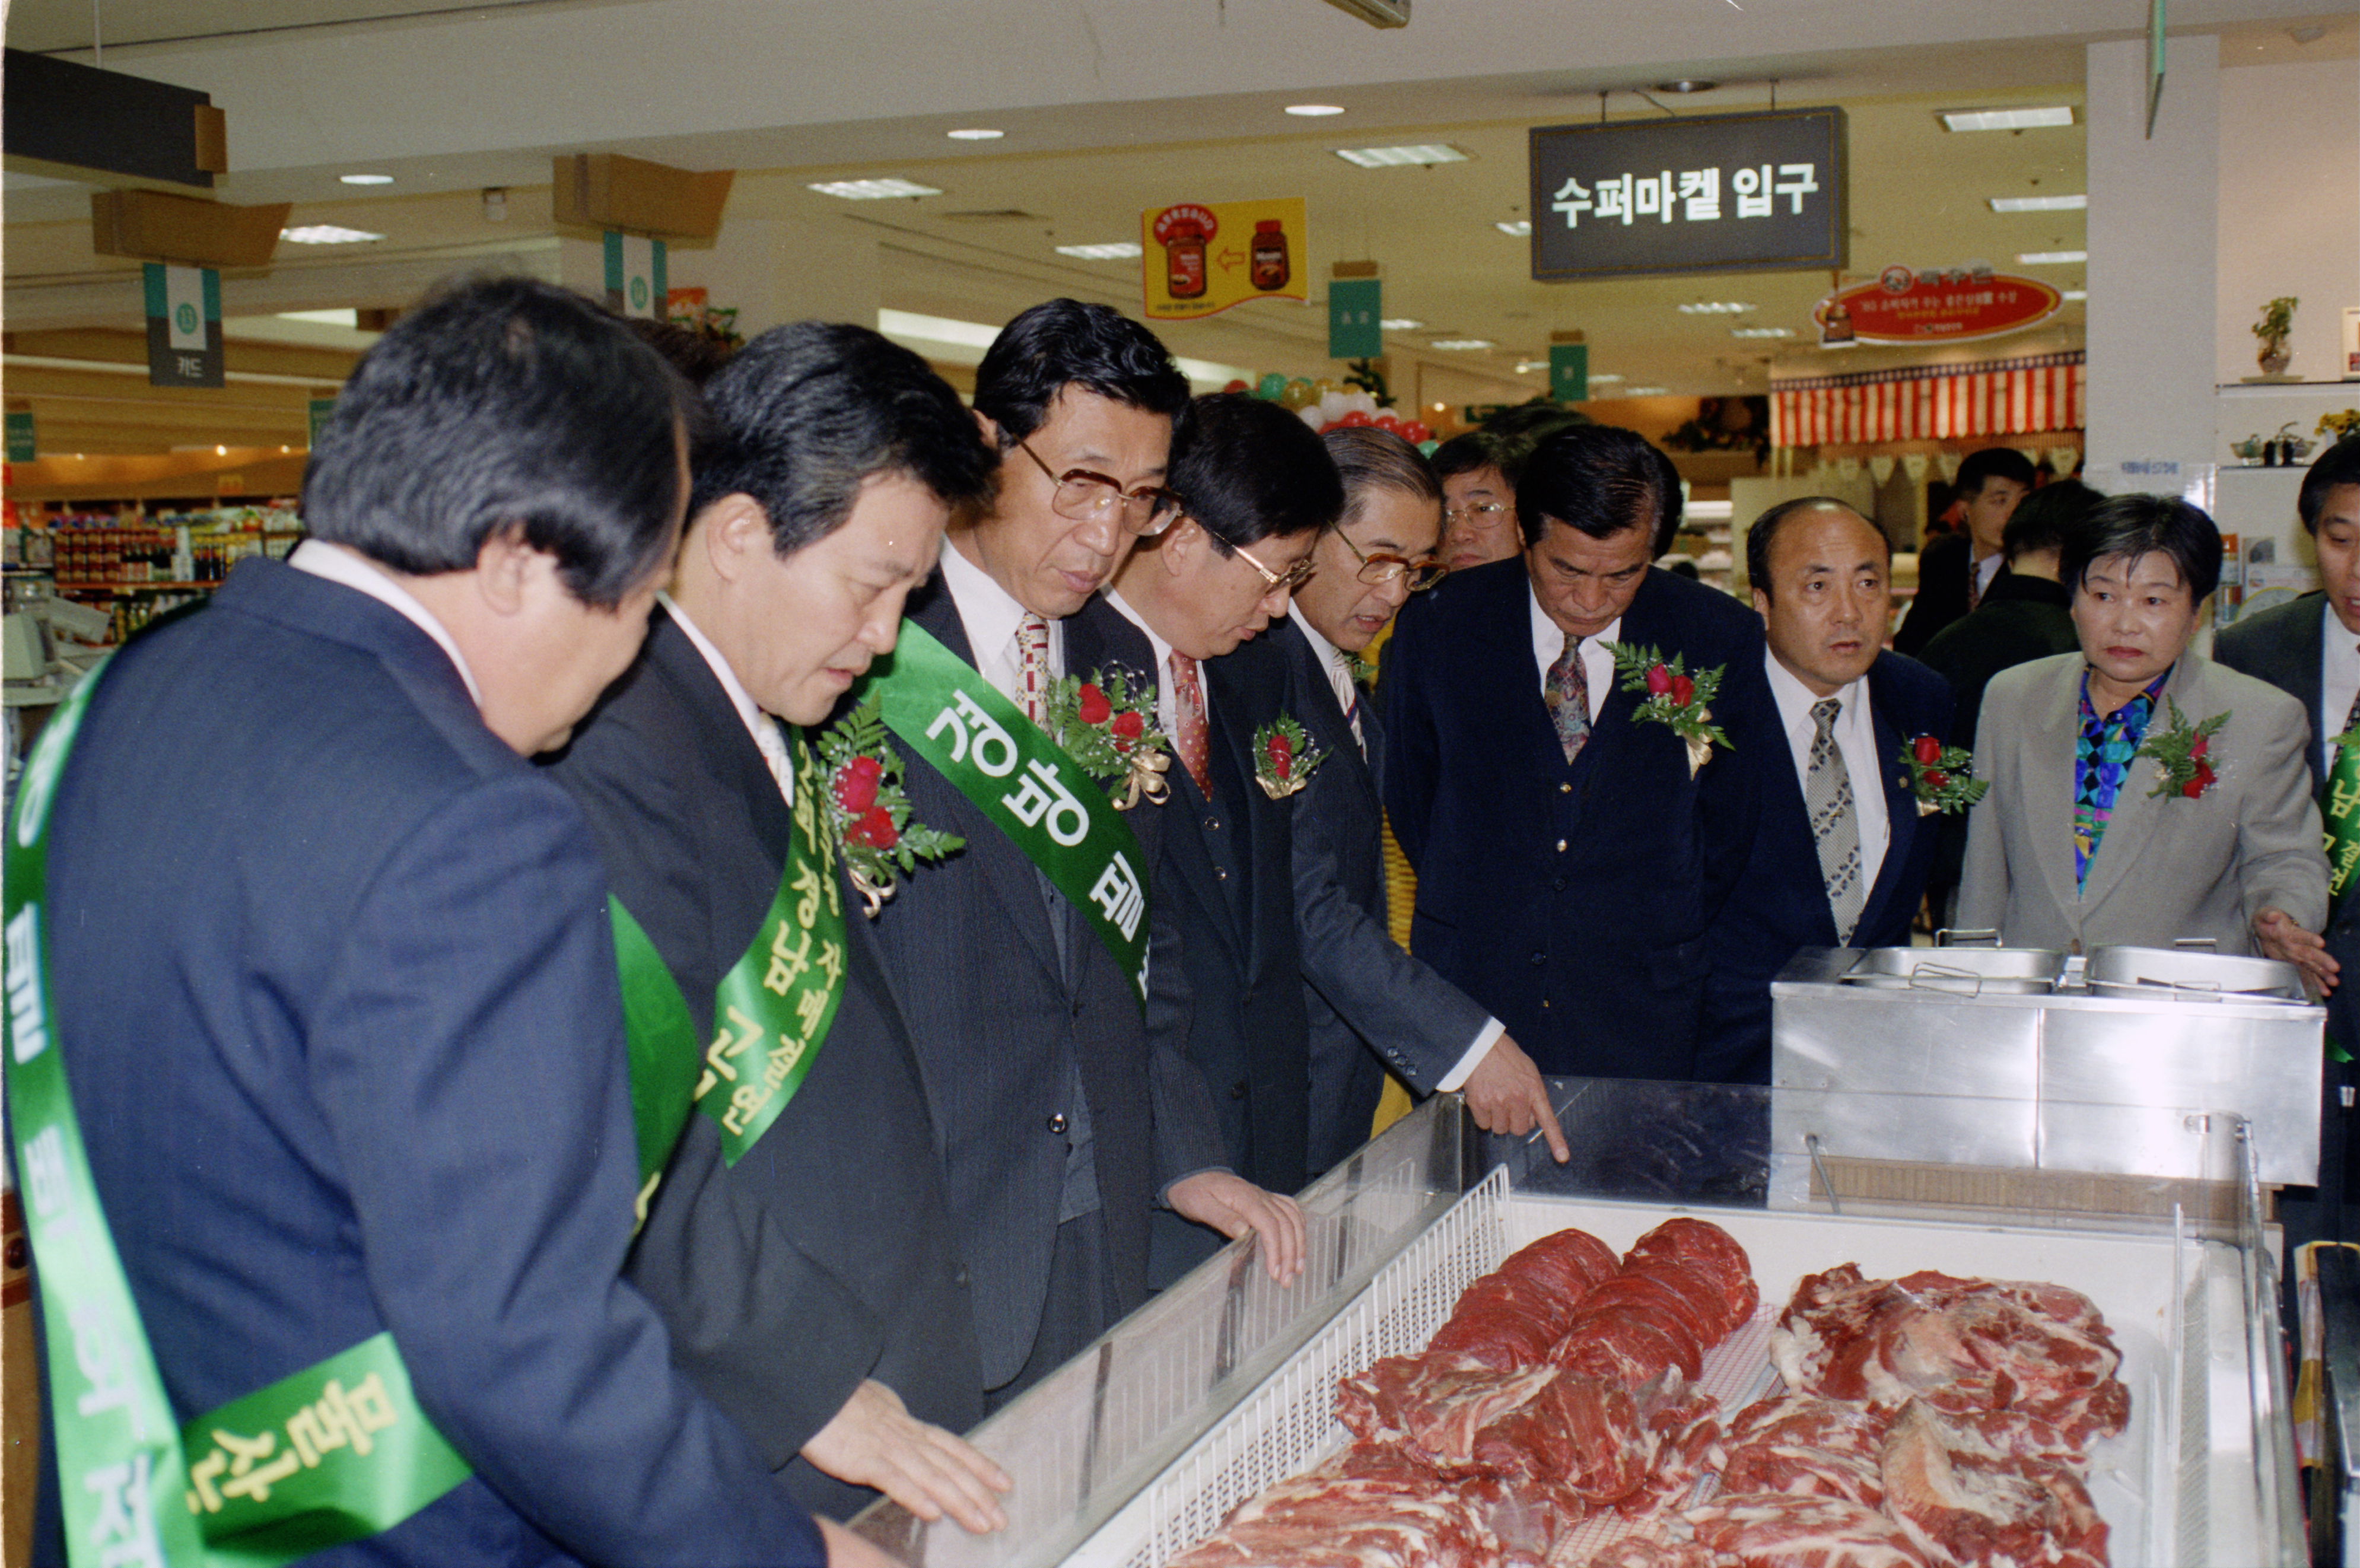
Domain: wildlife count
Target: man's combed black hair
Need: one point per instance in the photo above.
(1247, 469)
(801, 416)
(498, 404)
(2127, 527)
(1469, 453)
(1763, 536)
(1992, 462)
(2338, 465)
(1601, 481)
(1062, 343)
(2045, 519)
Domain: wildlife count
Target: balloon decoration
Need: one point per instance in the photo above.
(1235, 386)
(1326, 405)
(1270, 386)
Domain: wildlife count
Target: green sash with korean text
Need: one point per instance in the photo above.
(333, 1453)
(1019, 778)
(2343, 815)
(771, 1013)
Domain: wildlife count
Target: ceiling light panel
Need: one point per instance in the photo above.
(2007, 119)
(1644, 391)
(1400, 324)
(1314, 111)
(1120, 250)
(1762, 331)
(1714, 307)
(326, 234)
(2040, 203)
(873, 189)
(2052, 257)
(1449, 343)
(1391, 157)
(975, 133)
(1517, 230)
(1606, 381)
(365, 178)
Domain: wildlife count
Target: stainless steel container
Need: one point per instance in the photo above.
(2190, 976)
(1959, 970)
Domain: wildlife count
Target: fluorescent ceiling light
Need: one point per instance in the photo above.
(1762, 331)
(2052, 257)
(327, 233)
(1462, 342)
(1314, 111)
(1642, 391)
(2007, 119)
(938, 337)
(1120, 250)
(1400, 324)
(1715, 307)
(1210, 375)
(1606, 381)
(975, 133)
(1517, 230)
(2077, 294)
(346, 318)
(1527, 366)
(1386, 157)
(2040, 203)
(365, 178)
(871, 189)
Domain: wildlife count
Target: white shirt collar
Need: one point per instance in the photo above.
(749, 713)
(1549, 647)
(343, 564)
(991, 615)
(1167, 714)
(1321, 648)
(1796, 700)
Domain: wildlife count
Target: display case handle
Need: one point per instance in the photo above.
(1982, 937)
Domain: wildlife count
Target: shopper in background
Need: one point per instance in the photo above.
(1569, 856)
(2105, 822)
(1840, 858)
(1063, 1117)
(814, 1287)
(352, 1064)
(1255, 490)
(1956, 570)
(1372, 1005)
(1478, 500)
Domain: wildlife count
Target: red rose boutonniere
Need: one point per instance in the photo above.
(1673, 697)
(1108, 725)
(1942, 776)
(869, 810)
(1286, 757)
(2183, 752)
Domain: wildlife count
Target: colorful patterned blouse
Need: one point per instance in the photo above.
(2100, 762)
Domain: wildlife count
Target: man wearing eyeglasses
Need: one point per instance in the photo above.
(1063, 1117)
(1255, 489)
(1479, 499)
(1371, 1004)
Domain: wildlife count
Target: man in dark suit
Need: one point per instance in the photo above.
(1841, 853)
(2311, 650)
(1569, 856)
(1956, 570)
(814, 1287)
(347, 1045)
(1371, 1004)
(1254, 488)
(1064, 1117)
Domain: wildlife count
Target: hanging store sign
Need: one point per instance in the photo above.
(1199, 258)
(184, 330)
(1356, 307)
(634, 275)
(22, 444)
(1703, 193)
(1953, 305)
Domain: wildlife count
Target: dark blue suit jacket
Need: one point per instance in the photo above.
(337, 995)
(1781, 903)
(1571, 900)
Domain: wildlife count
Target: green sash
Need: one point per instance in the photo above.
(2343, 839)
(335, 1453)
(1018, 778)
(771, 1013)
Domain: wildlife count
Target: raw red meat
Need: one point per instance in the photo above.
(1969, 1506)
(1650, 1552)
(1587, 1434)
(1664, 1301)
(1623, 1345)
(1515, 1315)
(1705, 1247)
(1776, 1530)
(1803, 1445)
(1336, 1521)
(1433, 1405)
(1687, 1426)
(1572, 1261)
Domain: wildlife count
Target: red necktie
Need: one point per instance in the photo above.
(1193, 744)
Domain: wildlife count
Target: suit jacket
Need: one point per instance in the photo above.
(827, 1254)
(2168, 867)
(1571, 900)
(2021, 619)
(1781, 904)
(1004, 1009)
(1943, 569)
(347, 1047)
(1371, 1004)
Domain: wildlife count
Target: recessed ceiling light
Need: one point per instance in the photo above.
(1120, 250)
(2052, 257)
(1447, 343)
(871, 189)
(1762, 331)
(1606, 381)
(2077, 293)
(1388, 157)
(327, 233)
(2040, 203)
(1400, 324)
(1517, 230)
(975, 133)
(344, 317)
(1314, 111)
(365, 178)
(1714, 307)
(2007, 119)
(1686, 84)
(1642, 391)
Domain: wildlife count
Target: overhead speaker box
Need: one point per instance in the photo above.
(1376, 13)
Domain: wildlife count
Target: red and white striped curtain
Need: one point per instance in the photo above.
(2004, 397)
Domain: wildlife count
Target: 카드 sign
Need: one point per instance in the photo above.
(1759, 192)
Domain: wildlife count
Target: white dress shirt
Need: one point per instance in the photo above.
(342, 563)
(1855, 735)
(1168, 705)
(1332, 659)
(1597, 664)
(1340, 679)
(1985, 570)
(991, 614)
(763, 728)
(2339, 681)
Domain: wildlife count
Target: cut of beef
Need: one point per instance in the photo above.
(1687, 1426)
(1970, 1506)
(1807, 1445)
(1433, 1405)
(1777, 1529)
(1584, 1434)
(1707, 1247)
(1652, 1551)
(1621, 1345)
(1337, 1521)
(1514, 1316)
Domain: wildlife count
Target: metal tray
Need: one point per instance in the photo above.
(1959, 970)
(2190, 976)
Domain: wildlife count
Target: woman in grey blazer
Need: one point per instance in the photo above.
(2113, 815)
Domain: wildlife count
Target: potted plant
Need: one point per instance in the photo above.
(2276, 325)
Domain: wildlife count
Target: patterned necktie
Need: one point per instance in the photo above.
(1835, 825)
(1567, 696)
(1347, 691)
(1193, 743)
(1033, 666)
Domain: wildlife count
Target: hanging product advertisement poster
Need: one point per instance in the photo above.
(1199, 258)
(1756, 192)
(1939, 305)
